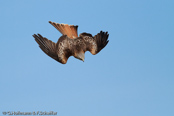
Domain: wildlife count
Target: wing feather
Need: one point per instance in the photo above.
(47, 46)
(97, 43)
(101, 40)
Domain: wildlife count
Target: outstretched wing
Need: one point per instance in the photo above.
(65, 29)
(46, 46)
(97, 43)
(101, 40)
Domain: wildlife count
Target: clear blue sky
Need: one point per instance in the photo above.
(132, 76)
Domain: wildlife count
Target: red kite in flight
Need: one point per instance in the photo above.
(69, 44)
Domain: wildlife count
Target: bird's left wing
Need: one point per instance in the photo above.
(97, 43)
(47, 46)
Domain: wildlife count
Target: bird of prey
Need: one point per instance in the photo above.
(70, 44)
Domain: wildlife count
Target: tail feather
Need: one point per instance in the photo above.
(65, 29)
(59, 28)
(74, 30)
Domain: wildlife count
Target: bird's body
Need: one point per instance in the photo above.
(69, 44)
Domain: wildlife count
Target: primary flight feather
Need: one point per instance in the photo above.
(69, 44)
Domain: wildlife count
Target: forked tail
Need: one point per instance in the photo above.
(65, 29)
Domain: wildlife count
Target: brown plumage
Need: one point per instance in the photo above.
(69, 44)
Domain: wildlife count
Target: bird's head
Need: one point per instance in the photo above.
(80, 56)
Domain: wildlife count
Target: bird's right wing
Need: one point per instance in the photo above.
(47, 46)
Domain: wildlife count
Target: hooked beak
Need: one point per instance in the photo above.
(83, 60)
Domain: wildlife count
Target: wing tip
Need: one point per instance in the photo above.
(102, 39)
(35, 36)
